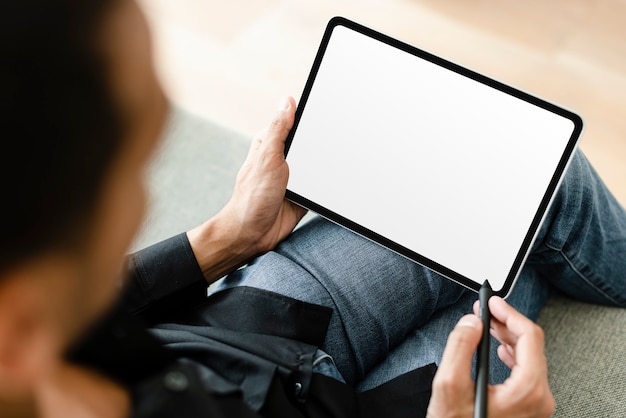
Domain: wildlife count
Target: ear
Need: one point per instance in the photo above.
(22, 334)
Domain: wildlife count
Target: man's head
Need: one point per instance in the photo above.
(80, 111)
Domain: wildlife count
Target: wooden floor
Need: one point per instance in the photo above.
(231, 61)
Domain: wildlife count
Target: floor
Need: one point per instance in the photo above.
(232, 61)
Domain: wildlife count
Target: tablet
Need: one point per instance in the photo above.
(443, 165)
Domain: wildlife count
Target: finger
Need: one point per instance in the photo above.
(522, 334)
(506, 355)
(276, 133)
(456, 363)
(508, 316)
(298, 210)
(496, 328)
(278, 128)
(500, 332)
(526, 390)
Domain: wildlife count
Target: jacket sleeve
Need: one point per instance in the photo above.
(163, 278)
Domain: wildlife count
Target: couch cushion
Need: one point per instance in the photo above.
(191, 176)
(586, 350)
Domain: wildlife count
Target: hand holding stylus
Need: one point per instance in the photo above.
(525, 393)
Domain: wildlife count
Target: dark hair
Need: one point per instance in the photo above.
(59, 126)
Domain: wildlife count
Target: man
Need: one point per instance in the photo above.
(319, 323)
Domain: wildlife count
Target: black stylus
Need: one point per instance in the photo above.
(482, 359)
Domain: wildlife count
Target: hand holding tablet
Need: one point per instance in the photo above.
(440, 164)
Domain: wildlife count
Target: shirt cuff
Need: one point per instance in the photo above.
(165, 268)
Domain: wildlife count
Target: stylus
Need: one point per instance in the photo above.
(482, 359)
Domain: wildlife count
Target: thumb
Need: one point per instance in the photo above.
(272, 138)
(278, 130)
(453, 389)
(456, 362)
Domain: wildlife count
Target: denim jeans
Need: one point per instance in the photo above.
(392, 315)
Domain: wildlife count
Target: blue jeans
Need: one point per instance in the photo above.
(392, 315)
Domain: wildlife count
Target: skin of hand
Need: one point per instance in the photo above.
(257, 217)
(525, 393)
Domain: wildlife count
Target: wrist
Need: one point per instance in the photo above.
(220, 246)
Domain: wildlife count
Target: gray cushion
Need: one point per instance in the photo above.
(192, 177)
(586, 350)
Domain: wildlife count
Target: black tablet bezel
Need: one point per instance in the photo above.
(406, 252)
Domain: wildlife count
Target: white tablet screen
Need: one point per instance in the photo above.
(442, 165)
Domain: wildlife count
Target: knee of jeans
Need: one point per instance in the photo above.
(571, 210)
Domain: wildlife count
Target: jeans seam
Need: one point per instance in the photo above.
(582, 276)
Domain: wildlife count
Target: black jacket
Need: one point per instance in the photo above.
(243, 352)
